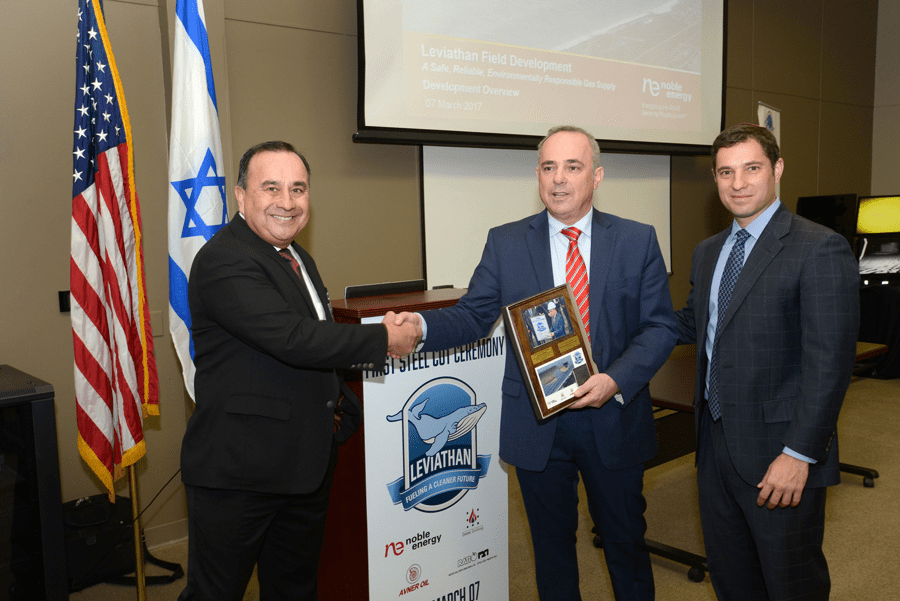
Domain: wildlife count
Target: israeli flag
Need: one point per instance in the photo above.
(197, 200)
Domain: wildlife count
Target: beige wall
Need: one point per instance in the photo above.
(815, 61)
(38, 91)
(283, 70)
(292, 76)
(288, 70)
(886, 136)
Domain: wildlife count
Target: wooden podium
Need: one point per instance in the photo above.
(344, 564)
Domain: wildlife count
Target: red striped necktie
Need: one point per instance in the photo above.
(577, 277)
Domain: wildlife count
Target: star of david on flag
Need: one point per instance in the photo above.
(190, 191)
(197, 200)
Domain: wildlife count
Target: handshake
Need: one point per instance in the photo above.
(404, 333)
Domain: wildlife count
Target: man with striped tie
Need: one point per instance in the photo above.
(619, 278)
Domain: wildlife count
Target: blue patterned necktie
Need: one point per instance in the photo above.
(729, 278)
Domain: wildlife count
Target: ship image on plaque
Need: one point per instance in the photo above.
(551, 346)
(562, 377)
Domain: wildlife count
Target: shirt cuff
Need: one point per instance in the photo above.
(424, 332)
(797, 455)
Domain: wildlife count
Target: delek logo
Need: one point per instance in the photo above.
(473, 522)
(440, 446)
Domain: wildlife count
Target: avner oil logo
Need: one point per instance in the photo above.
(440, 446)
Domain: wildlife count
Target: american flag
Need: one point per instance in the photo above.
(115, 372)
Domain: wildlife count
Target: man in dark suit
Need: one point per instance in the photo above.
(774, 359)
(261, 446)
(609, 433)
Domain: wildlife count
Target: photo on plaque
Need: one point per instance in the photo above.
(547, 321)
(551, 347)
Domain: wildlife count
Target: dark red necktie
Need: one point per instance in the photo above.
(577, 277)
(290, 259)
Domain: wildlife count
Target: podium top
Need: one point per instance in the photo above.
(374, 306)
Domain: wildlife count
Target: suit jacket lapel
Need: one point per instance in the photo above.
(538, 243)
(603, 243)
(317, 283)
(765, 249)
(244, 233)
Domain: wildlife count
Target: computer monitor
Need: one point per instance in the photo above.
(837, 211)
(878, 233)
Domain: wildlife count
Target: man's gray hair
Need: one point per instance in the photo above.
(595, 148)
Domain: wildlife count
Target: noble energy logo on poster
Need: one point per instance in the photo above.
(440, 446)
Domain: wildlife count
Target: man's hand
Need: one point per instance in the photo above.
(596, 391)
(783, 483)
(404, 333)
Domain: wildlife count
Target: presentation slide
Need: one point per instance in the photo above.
(643, 70)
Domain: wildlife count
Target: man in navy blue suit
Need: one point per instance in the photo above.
(609, 433)
(774, 311)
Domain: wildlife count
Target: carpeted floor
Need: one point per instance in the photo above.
(862, 535)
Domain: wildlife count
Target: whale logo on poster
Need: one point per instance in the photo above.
(440, 446)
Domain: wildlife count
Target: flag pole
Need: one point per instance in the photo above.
(139, 580)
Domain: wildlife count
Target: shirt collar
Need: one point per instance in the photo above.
(583, 224)
(756, 227)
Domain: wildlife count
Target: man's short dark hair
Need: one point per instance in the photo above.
(273, 146)
(737, 134)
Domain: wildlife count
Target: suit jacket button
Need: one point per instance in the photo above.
(330, 404)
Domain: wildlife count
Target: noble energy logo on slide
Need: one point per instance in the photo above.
(440, 446)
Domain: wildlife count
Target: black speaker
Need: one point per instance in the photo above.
(99, 540)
